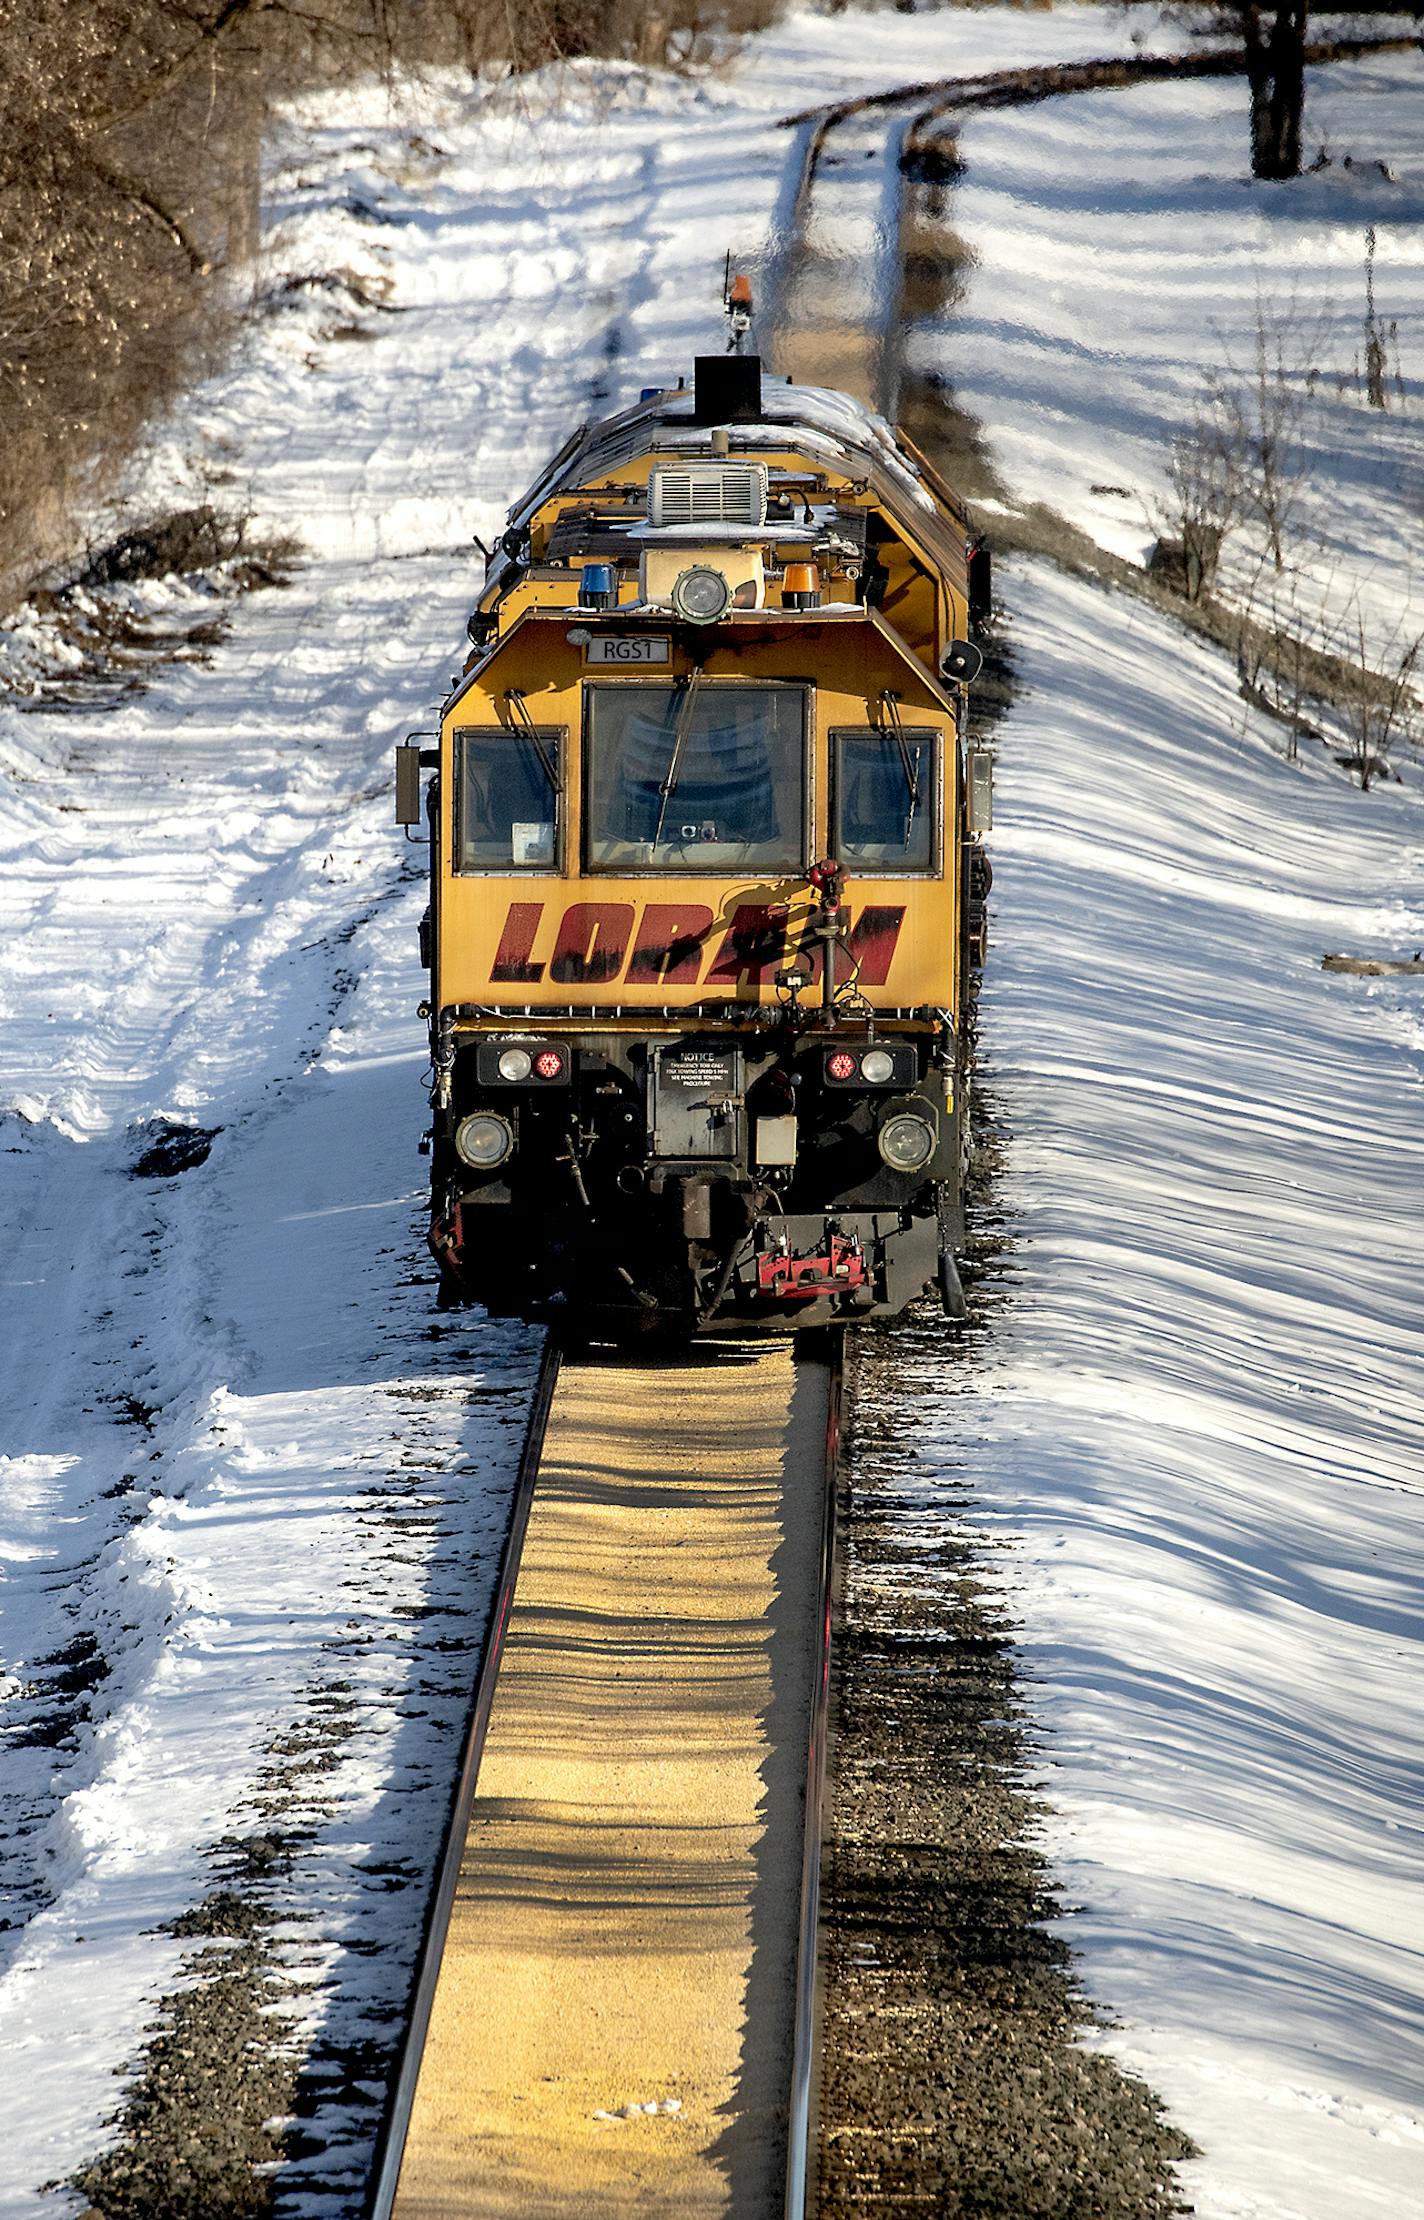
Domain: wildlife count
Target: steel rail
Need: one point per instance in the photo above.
(396, 2124)
(1021, 87)
(892, 258)
(801, 2139)
(910, 133)
(789, 223)
(1000, 88)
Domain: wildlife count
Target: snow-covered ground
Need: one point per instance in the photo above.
(1112, 285)
(239, 1469)
(1206, 1411)
(1201, 1413)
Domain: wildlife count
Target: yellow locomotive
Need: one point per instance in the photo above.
(706, 881)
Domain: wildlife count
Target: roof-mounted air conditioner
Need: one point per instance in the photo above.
(708, 493)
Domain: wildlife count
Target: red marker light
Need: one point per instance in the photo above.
(840, 1064)
(549, 1063)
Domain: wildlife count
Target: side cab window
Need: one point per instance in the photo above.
(885, 798)
(507, 792)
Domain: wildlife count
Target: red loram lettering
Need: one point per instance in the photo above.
(869, 948)
(754, 948)
(592, 943)
(511, 966)
(668, 950)
(872, 941)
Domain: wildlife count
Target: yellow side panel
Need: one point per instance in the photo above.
(556, 939)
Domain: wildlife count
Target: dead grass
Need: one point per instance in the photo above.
(94, 637)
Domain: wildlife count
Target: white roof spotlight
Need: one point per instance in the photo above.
(700, 595)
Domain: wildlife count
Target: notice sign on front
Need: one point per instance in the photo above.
(700, 1070)
(628, 647)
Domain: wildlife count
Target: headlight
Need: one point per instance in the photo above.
(877, 1065)
(907, 1143)
(482, 1140)
(701, 595)
(515, 1064)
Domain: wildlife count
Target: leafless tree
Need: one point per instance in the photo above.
(1376, 694)
(1243, 456)
(1202, 503)
(1274, 37)
(1376, 352)
(1263, 408)
(1291, 618)
(118, 157)
(130, 134)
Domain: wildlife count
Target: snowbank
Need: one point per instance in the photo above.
(1200, 1414)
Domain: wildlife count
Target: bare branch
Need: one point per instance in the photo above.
(142, 198)
(210, 36)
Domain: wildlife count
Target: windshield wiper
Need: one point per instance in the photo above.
(680, 732)
(909, 763)
(527, 730)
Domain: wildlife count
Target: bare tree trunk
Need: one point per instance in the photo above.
(1275, 66)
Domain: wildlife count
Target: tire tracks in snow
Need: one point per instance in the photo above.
(222, 934)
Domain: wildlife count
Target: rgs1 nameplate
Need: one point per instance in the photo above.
(628, 647)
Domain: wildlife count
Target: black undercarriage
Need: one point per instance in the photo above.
(751, 1178)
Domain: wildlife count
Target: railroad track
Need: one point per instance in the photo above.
(614, 2008)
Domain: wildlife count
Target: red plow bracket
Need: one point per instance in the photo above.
(842, 1265)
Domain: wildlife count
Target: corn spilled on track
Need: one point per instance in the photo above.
(628, 1912)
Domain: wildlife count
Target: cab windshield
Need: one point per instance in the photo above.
(697, 777)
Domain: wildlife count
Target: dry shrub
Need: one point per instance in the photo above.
(188, 540)
(1200, 506)
(130, 141)
(1377, 695)
(528, 34)
(125, 180)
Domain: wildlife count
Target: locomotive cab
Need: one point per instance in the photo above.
(701, 855)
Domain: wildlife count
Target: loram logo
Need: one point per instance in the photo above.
(669, 944)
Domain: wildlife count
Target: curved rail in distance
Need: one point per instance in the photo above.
(1011, 88)
(934, 97)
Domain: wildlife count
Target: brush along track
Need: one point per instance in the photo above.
(613, 2012)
